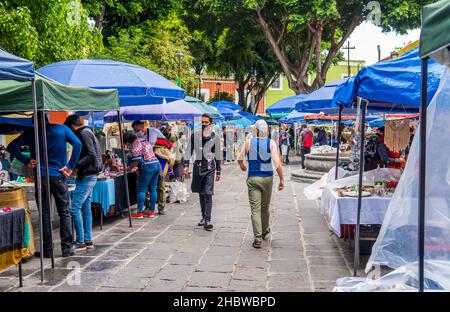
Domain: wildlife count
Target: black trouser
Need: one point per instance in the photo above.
(206, 205)
(303, 152)
(59, 190)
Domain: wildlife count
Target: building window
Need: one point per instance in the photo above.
(277, 84)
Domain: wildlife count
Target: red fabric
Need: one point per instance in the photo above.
(164, 142)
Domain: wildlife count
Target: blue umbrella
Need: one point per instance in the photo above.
(176, 110)
(226, 104)
(286, 105)
(136, 85)
(248, 116)
(227, 113)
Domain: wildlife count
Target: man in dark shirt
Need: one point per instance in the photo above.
(88, 166)
(59, 169)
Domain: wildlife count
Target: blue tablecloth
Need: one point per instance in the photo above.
(104, 194)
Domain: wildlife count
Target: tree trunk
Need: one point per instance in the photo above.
(99, 19)
(241, 94)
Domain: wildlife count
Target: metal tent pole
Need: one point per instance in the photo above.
(47, 178)
(38, 177)
(360, 184)
(338, 140)
(124, 162)
(422, 172)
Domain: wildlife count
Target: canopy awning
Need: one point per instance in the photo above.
(390, 84)
(53, 96)
(136, 85)
(284, 106)
(14, 67)
(319, 99)
(435, 33)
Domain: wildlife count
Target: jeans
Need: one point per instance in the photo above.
(206, 206)
(303, 152)
(259, 195)
(59, 190)
(148, 180)
(81, 208)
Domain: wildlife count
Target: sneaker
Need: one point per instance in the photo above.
(68, 253)
(257, 243)
(208, 226)
(138, 215)
(201, 223)
(149, 214)
(79, 246)
(161, 211)
(89, 244)
(264, 235)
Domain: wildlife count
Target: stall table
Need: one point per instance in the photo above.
(343, 210)
(12, 239)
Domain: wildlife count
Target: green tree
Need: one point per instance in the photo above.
(308, 33)
(153, 45)
(47, 31)
(231, 45)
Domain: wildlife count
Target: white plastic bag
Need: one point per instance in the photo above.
(178, 192)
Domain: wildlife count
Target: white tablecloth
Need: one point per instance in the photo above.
(343, 210)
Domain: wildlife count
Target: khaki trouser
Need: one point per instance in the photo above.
(259, 194)
(161, 192)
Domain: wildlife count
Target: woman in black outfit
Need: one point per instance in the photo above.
(206, 145)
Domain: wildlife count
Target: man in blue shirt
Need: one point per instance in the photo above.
(59, 169)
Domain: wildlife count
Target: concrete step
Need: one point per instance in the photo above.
(306, 176)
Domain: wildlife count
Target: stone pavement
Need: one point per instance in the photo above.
(171, 253)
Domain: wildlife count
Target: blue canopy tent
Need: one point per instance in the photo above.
(136, 85)
(395, 83)
(239, 123)
(317, 100)
(286, 105)
(15, 68)
(294, 116)
(226, 104)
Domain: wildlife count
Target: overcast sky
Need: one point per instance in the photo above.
(367, 36)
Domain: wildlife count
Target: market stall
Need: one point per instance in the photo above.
(39, 94)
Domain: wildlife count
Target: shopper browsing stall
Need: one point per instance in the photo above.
(88, 166)
(149, 169)
(59, 169)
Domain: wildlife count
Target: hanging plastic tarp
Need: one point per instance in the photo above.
(395, 83)
(436, 278)
(176, 110)
(397, 243)
(227, 105)
(14, 67)
(227, 113)
(205, 108)
(319, 99)
(136, 85)
(435, 34)
(53, 96)
(294, 116)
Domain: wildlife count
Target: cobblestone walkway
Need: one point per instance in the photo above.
(171, 253)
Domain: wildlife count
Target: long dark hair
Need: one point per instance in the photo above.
(129, 138)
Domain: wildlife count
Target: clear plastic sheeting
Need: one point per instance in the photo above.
(437, 278)
(314, 191)
(397, 243)
(322, 149)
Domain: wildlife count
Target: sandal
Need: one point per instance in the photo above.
(265, 233)
(257, 243)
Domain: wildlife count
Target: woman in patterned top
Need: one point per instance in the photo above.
(149, 170)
